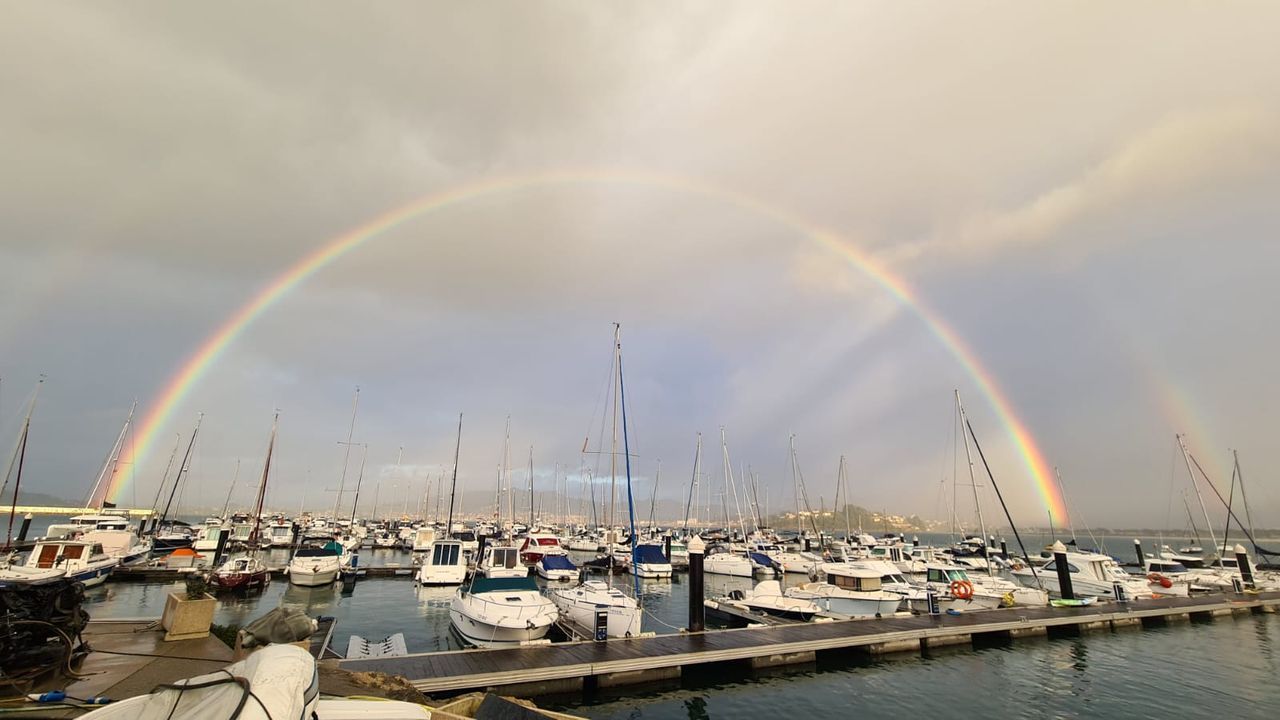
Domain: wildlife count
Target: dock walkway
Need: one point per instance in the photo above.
(564, 667)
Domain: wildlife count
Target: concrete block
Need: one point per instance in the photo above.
(894, 646)
(778, 659)
(637, 677)
(946, 640)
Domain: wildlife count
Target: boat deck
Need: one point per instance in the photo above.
(544, 669)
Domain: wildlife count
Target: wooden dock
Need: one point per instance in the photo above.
(575, 666)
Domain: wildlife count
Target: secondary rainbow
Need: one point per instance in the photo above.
(207, 354)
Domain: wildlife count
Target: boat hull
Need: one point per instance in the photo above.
(241, 581)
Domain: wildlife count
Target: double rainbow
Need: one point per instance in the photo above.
(207, 354)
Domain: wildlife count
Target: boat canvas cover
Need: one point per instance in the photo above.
(317, 552)
(557, 562)
(650, 554)
(484, 584)
(282, 678)
(762, 559)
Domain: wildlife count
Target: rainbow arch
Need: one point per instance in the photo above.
(198, 363)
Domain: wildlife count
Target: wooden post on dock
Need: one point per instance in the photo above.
(1246, 571)
(1004, 549)
(1142, 558)
(1064, 570)
(666, 547)
(22, 531)
(697, 611)
(223, 534)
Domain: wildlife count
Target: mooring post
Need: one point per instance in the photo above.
(1246, 571)
(697, 611)
(22, 531)
(1137, 550)
(1064, 571)
(297, 532)
(666, 547)
(1004, 549)
(223, 534)
(991, 542)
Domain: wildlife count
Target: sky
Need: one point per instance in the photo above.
(1082, 196)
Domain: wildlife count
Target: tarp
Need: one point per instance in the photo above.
(650, 554)
(557, 562)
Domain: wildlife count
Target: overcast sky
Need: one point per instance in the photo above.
(1086, 195)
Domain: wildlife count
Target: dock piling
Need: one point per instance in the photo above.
(1064, 570)
(22, 531)
(1246, 572)
(697, 611)
(1137, 550)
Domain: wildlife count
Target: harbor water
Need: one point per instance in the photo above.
(1225, 668)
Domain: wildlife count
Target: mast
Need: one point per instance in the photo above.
(626, 449)
(453, 488)
(262, 486)
(21, 454)
(173, 455)
(110, 463)
(843, 485)
(504, 482)
(1244, 497)
(235, 477)
(613, 447)
(1194, 483)
(693, 484)
(653, 497)
(346, 457)
(364, 455)
(795, 482)
(1071, 525)
(183, 467)
(982, 525)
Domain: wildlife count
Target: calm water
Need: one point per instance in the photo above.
(1225, 668)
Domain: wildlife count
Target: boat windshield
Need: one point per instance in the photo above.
(445, 553)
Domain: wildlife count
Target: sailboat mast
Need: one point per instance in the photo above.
(177, 480)
(22, 458)
(613, 447)
(982, 525)
(108, 465)
(626, 449)
(505, 481)
(1244, 497)
(346, 455)
(530, 488)
(234, 478)
(844, 486)
(262, 486)
(364, 455)
(20, 446)
(795, 482)
(693, 484)
(1186, 458)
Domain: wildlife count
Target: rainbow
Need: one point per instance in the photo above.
(207, 354)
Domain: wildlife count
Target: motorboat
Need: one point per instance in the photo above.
(556, 568)
(501, 561)
(244, 572)
(721, 561)
(536, 545)
(584, 543)
(120, 541)
(1095, 575)
(315, 566)
(278, 534)
(84, 523)
(423, 537)
(386, 540)
(851, 591)
(13, 573)
(953, 589)
(798, 563)
(580, 604)
(648, 561)
(206, 539)
(444, 564)
(498, 611)
(767, 597)
(79, 560)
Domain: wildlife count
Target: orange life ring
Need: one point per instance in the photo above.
(1163, 581)
(962, 589)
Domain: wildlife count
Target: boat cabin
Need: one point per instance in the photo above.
(446, 552)
(856, 580)
(945, 575)
(503, 557)
(892, 553)
(51, 554)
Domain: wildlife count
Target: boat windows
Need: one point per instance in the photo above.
(1052, 566)
(445, 554)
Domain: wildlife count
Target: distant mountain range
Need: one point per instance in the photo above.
(36, 498)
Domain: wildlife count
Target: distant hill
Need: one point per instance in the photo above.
(36, 498)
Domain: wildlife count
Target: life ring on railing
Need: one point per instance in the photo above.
(961, 589)
(1164, 582)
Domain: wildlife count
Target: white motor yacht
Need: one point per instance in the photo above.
(493, 612)
(767, 597)
(120, 541)
(501, 561)
(444, 564)
(849, 590)
(315, 566)
(955, 590)
(79, 560)
(1095, 575)
(721, 561)
(580, 604)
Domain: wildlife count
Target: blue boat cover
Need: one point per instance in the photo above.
(557, 562)
(650, 554)
(761, 558)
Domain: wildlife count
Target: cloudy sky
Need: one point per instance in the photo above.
(1085, 196)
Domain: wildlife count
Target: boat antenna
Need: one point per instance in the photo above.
(626, 454)
(457, 448)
